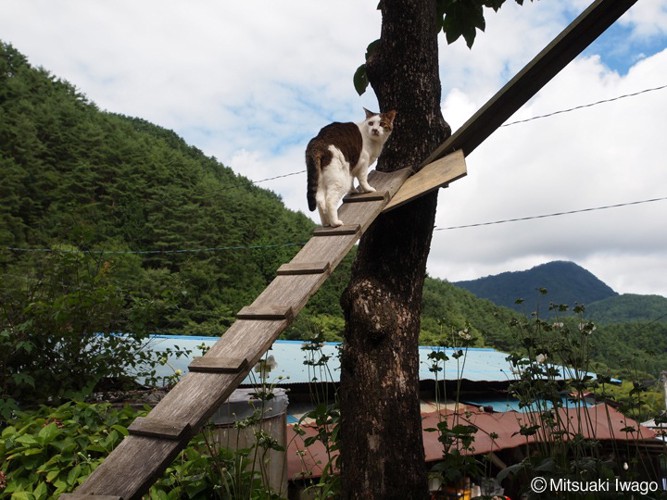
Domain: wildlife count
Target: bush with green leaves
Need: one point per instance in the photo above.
(52, 450)
(60, 320)
(553, 371)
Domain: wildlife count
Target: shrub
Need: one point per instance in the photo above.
(51, 451)
(58, 327)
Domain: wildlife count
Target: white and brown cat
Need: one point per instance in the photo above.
(340, 153)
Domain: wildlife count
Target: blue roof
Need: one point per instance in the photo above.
(477, 364)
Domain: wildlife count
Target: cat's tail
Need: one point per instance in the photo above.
(313, 164)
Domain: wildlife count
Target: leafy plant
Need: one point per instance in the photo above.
(553, 373)
(58, 327)
(51, 451)
(455, 433)
(324, 418)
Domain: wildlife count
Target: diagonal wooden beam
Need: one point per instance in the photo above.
(536, 74)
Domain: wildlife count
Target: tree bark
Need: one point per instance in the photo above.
(382, 454)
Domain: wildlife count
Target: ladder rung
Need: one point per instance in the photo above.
(271, 312)
(158, 428)
(218, 364)
(337, 231)
(363, 197)
(303, 268)
(79, 496)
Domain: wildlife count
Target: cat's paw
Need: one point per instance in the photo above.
(366, 189)
(336, 223)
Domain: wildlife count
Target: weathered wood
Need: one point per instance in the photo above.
(433, 176)
(76, 496)
(363, 197)
(157, 428)
(224, 364)
(132, 467)
(298, 268)
(266, 311)
(536, 74)
(346, 229)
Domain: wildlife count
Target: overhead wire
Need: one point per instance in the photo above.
(465, 226)
(554, 214)
(155, 252)
(516, 122)
(584, 106)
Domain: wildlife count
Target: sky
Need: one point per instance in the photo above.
(251, 82)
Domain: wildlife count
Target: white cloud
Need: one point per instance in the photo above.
(251, 83)
(601, 155)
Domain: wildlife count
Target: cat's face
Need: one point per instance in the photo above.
(378, 126)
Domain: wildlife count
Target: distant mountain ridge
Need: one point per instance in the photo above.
(628, 308)
(565, 282)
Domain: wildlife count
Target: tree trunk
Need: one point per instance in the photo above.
(382, 454)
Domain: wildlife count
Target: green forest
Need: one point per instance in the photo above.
(110, 224)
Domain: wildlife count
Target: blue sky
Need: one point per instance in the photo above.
(251, 82)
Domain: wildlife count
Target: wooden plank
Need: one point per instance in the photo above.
(363, 197)
(292, 268)
(590, 24)
(266, 312)
(125, 475)
(158, 428)
(220, 364)
(343, 230)
(433, 176)
(199, 394)
(76, 496)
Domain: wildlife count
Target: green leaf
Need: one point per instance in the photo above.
(360, 79)
(22, 495)
(31, 451)
(41, 492)
(51, 475)
(48, 433)
(74, 475)
(120, 429)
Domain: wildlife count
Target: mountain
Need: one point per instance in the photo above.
(132, 202)
(628, 308)
(111, 223)
(565, 282)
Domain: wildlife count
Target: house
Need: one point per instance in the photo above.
(470, 388)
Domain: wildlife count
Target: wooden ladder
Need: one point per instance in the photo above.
(155, 440)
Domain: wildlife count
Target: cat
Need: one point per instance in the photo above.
(339, 153)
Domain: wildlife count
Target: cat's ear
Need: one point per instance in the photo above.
(369, 113)
(390, 115)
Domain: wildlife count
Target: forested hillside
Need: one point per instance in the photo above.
(628, 308)
(173, 226)
(111, 224)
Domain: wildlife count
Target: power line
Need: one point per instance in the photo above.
(300, 244)
(157, 252)
(583, 106)
(555, 214)
(278, 177)
(480, 224)
(538, 117)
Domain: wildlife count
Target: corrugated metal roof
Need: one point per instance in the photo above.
(477, 364)
(601, 422)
